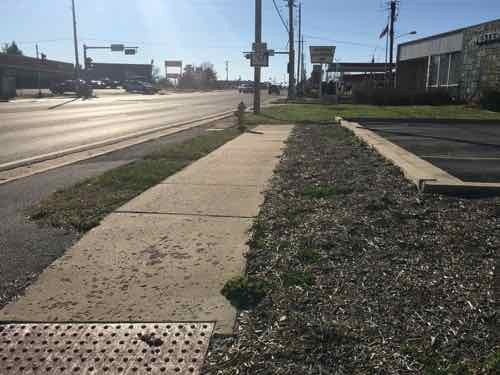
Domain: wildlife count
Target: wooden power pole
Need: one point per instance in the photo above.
(257, 68)
(391, 39)
(75, 40)
(291, 42)
(299, 55)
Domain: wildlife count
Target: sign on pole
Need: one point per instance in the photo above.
(117, 47)
(322, 54)
(173, 64)
(174, 75)
(260, 55)
(130, 51)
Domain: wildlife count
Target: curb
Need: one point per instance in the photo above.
(427, 177)
(30, 170)
(74, 150)
(420, 120)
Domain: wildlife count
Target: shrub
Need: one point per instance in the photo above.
(244, 293)
(297, 278)
(397, 97)
(319, 192)
(490, 100)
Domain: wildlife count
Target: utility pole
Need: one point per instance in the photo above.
(257, 68)
(38, 73)
(291, 42)
(227, 71)
(75, 39)
(85, 67)
(299, 55)
(302, 68)
(391, 33)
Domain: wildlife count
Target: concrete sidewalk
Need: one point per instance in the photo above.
(165, 255)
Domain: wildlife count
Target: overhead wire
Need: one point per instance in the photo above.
(281, 16)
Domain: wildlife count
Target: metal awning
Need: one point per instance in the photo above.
(358, 67)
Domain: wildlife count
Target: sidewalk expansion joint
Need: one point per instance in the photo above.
(183, 214)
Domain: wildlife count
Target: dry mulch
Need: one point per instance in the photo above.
(368, 276)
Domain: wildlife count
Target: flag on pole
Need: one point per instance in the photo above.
(384, 32)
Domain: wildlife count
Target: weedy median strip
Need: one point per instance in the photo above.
(81, 207)
(364, 274)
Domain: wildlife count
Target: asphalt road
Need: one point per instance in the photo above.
(468, 151)
(29, 127)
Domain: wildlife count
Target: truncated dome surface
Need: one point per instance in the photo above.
(127, 348)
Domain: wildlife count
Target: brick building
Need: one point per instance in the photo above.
(22, 72)
(466, 61)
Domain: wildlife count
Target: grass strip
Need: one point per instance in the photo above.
(82, 207)
(319, 113)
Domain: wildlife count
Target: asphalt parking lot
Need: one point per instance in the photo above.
(468, 151)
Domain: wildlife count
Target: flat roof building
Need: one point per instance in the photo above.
(22, 72)
(120, 72)
(465, 61)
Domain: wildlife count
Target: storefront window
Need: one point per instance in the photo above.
(455, 68)
(444, 65)
(433, 71)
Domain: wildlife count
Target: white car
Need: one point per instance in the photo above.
(246, 89)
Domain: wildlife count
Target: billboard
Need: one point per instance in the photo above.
(173, 64)
(322, 54)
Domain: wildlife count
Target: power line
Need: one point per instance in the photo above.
(280, 15)
(45, 41)
(339, 41)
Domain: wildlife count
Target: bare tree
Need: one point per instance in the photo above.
(11, 49)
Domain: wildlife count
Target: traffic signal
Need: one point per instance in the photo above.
(89, 63)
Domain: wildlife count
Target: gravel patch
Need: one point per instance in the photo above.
(366, 274)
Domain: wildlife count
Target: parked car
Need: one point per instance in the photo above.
(109, 83)
(79, 87)
(246, 88)
(274, 89)
(139, 86)
(97, 84)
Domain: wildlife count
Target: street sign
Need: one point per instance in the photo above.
(322, 54)
(130, 51)
(117, 47)
(173, 75)
(260, 55)
(173, 63)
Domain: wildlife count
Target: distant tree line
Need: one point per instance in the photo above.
(11, 49)
(203, 76)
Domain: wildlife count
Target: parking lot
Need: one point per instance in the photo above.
(468, 151)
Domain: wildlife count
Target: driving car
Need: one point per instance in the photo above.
(139, 86)
(80, 87)
(97, 84)
(246, 88)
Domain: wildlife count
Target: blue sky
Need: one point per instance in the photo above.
(196, 31)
